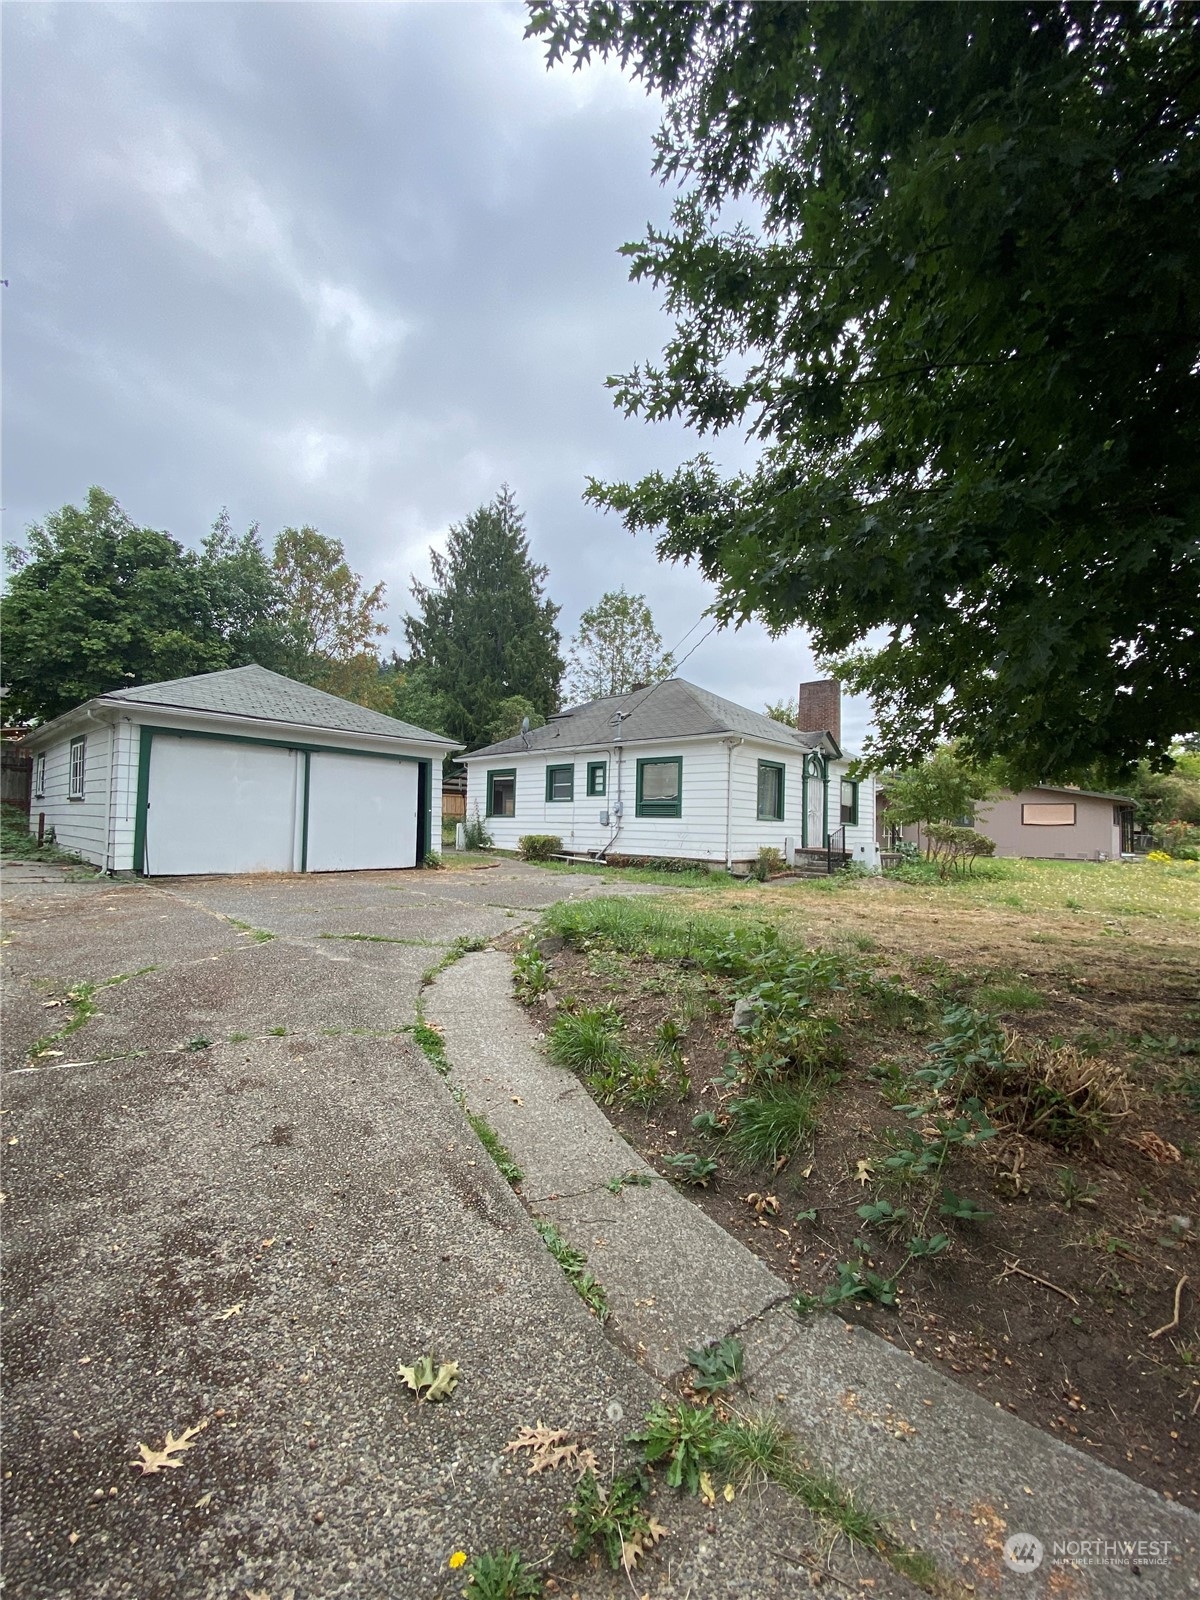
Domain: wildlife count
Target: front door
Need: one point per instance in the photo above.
(814, 801)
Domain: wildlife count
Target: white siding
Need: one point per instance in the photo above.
(699, 833)
(125, 780)
(78, 824)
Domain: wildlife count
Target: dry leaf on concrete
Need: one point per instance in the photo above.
(551, 1448)
(158, 1460)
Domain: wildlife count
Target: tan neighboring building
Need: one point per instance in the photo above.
(1047, 822)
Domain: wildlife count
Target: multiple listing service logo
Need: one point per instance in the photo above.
(1023, 1552)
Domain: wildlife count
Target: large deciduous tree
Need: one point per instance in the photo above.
(616, 648)
(331, 621)
(484, 633)
(943, 264)
(96, 603)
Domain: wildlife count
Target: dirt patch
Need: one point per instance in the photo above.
(1044, 1305)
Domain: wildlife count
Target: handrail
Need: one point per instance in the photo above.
(835, 846)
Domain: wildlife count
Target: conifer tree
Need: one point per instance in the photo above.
(485, 632)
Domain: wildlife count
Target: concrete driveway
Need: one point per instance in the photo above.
(237, 1196)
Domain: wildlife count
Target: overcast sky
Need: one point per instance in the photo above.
(352, 265)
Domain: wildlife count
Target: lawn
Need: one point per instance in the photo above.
(966, 1114)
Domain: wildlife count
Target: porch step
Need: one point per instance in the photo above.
(811, 862)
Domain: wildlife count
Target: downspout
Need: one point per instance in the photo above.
(730, 746)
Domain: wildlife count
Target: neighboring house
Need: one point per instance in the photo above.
(674, 772)
(1046, 822)
(238, 771)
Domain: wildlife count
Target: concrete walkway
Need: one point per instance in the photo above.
(236, 1195)
(955, 1474)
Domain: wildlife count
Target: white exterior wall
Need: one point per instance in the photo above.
(78, 824)
(699, 833)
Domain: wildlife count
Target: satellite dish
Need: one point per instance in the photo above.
(524, 725)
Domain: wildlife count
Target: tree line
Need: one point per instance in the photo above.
(95, 602)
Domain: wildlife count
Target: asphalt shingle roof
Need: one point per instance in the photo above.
(270, 697)
(674, 709)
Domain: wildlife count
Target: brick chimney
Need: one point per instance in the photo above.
(819, 708)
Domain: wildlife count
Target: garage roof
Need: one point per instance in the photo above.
(256, 692)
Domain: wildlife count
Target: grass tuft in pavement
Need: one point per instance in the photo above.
(574, 1266)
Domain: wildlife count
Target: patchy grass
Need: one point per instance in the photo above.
(257, 935)
(462, 946)
(575, 1270)
(890, 1079)
(17, 843)
(495, 1147)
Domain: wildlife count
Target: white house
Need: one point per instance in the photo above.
(238, 771)
(674, 772)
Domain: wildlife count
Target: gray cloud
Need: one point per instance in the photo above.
(350, 265)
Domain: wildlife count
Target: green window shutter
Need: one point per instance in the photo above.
(501, 792)
(660, 786)
(560, 783)
(771, 775)
(597, 778)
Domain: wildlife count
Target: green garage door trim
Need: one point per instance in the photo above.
(424, 814)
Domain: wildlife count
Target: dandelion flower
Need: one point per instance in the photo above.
(458, 1559)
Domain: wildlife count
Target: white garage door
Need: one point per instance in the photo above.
(218, 806)
(362, 812)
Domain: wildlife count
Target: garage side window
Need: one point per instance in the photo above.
(502, 793)
(770, 791)
(597, 777)
(39, 775)
(1048, 815)
(78, 759)
(660, 786)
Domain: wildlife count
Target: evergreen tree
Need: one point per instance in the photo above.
(485, 632)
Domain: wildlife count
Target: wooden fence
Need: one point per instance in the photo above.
(16, 778)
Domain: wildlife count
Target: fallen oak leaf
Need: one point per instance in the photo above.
(552, 1448)
(428, 1382)
(864, 1171)
(158, 1460)
(635, 1547)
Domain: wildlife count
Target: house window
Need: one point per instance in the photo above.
(660, 786)
(560, 783)
(39, 775)
(770, 791)
(849, 803)
(502, 793)
(78, 750)
(597, 777)
(1048, 814)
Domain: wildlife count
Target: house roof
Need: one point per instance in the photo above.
(260, 695)
(673, 709)
(1087, 794)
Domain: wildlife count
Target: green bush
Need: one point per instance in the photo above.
(539, 846)
(475, 834)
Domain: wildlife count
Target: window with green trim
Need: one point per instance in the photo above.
(849, 802)
(597, 777)
(770, 791)
(501, 792)
(560, 783)
(660, 786)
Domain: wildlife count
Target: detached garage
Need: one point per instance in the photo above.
(238, 771)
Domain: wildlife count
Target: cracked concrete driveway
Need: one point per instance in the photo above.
(234, 1191)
